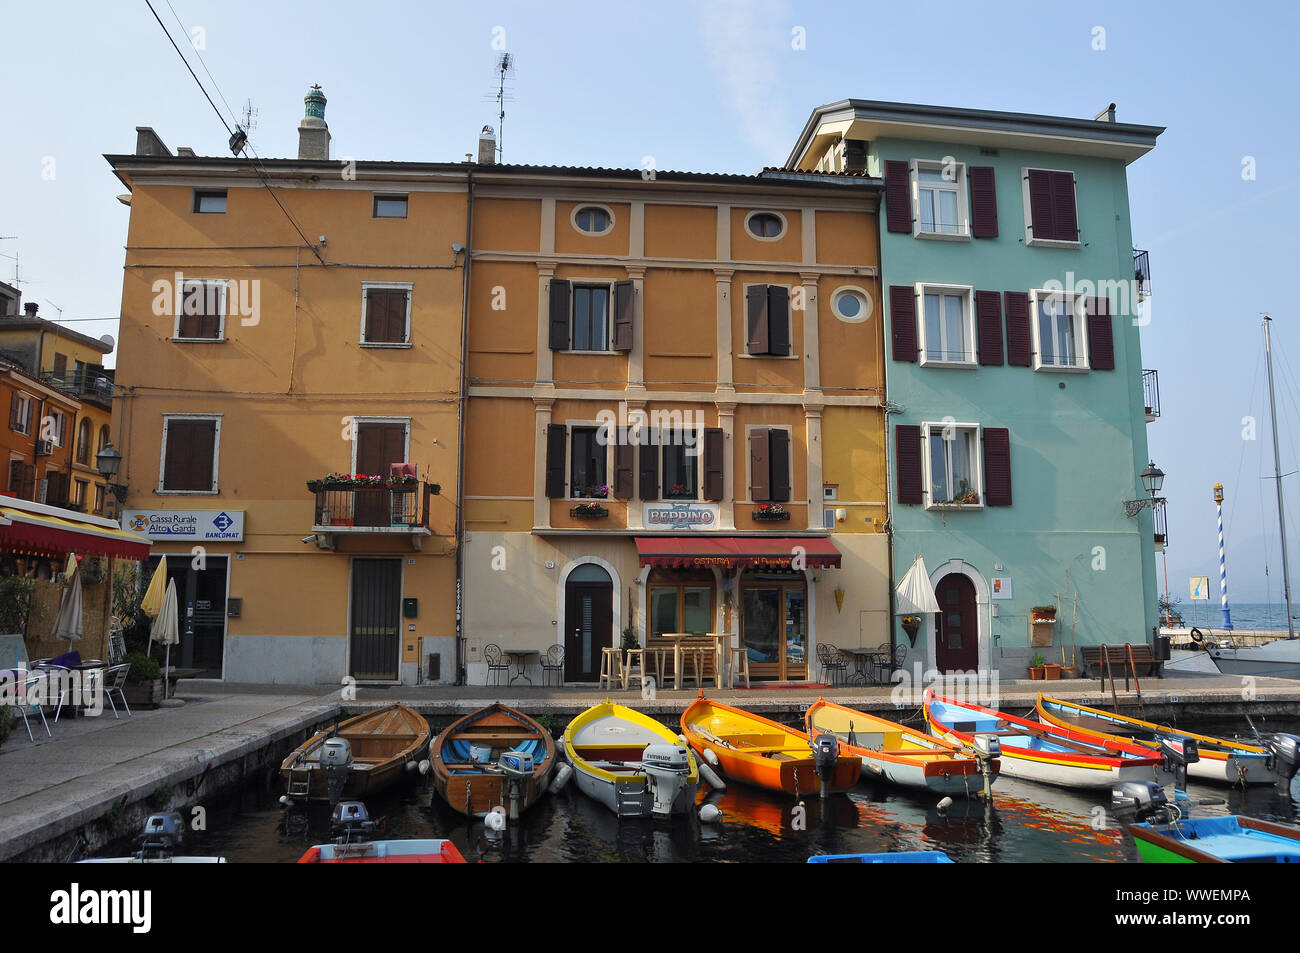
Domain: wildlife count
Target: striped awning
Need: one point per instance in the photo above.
(42, 533)
(731, 552)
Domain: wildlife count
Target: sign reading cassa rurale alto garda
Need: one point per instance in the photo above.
(181, 525)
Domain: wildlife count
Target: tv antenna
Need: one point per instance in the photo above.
(505, 67)
(250, 117)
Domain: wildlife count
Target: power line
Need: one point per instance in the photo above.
(187, 66)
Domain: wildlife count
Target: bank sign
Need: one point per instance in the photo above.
(681, 516)
(186, 525)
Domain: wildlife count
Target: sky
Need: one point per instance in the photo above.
(725, 86)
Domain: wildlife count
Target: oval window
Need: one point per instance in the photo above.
(592, 219)
(851, 304)
(765, 225)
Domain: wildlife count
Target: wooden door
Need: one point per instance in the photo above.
(588, 628)
(379, 446)
(957, 625)
(376, 618)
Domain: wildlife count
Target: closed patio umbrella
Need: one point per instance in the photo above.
(915, 594)
(151, 605)
(68, 624)
(165, 629)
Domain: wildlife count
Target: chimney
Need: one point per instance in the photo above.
(487, 146)
(147, 143)
(313, 133)
(1106, 115)
(185, 152)
(29, 308)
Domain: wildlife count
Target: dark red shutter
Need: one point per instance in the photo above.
(1041, 205)
(623, 296)
(907, 457)
(988, 319)
(760, 487)
(713, 463)
(997, 466)
(902, 321)
(623, 470)
(204, 447)
(1018, 340)
(778, 443)
(190, 448)
(898, 196)
(29, 482)
(556, 436)
(756, 340)
(13, 411)
(1065, 217)
(649, 465)
(188, 327)
(778, 320)
(983, 202)
(16, 469)
(559, 314)
(1101, 335)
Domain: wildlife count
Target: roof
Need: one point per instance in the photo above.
(871, 119)
(41, 324)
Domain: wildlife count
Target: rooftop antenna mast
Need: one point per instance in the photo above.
(14, 256)
(250, 117)
(505, 66)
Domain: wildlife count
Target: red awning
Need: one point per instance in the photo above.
(39, 534)
(730, 552)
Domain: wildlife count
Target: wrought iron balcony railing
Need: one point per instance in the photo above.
(376, 509)
(1161, 525)
(88, 382)
(1151, 393)
(1142, 274)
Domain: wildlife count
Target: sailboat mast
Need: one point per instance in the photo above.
(1277, 470)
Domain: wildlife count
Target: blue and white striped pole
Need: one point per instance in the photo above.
(1223, 564)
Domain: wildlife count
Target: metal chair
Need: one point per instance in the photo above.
(115, 681)
(553, 661)
(886, 662)
(496, 665)
(116, 641)
(30, 685)
(831, 662)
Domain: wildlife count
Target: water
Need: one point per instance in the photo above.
(1245, 615)
(1028, 823)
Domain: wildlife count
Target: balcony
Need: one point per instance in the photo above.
(1141, 274)
(1161, 526)
(1151, 393)
(93, 383)
(372, 510)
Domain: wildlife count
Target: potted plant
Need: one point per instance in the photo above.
(771, 511)
(589, 511)
(1043, 614)
(144, 683)
(630, 641)
(911, 625)
(1036, 667)
(678, 491)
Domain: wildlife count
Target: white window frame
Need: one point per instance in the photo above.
(1029, 213)
(1081, 363)
(785, 225)
(573, 219)
(376, 197)
(976, 463)
(25, 411)
(409, 288)
(963, 233)
(699, 466)
(200, 194)
(749, 465)
(743, 353)
(216, 455)
(223, 288)
(355, 441)
(967, 293)
(60, 424)
(868, 305)
(596, 425)
(574, 285)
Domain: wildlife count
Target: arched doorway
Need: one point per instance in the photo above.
(956, 645)
(588, 621)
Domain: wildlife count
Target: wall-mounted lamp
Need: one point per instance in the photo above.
(109, 461)
(1153, 478)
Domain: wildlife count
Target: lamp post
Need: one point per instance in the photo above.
(1223, 565)
(109, 461)
(1153, 478)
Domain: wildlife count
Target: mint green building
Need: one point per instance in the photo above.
(1017, 399)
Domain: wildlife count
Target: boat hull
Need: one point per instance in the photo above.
(384, 742)
(901, 857)
(476, 789)
(1276, 659)
(1213, 840)
(417, 851)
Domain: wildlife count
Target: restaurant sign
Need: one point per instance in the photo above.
(681, 516)
(186, 525)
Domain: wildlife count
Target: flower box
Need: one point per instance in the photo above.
(146, 694)
(771, 513)
(588, 511)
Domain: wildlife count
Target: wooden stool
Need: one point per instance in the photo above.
(739, 664)
(659, 657)
(628, 662)
(610, 668)
(695, 656)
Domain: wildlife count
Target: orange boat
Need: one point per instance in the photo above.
(749, 748)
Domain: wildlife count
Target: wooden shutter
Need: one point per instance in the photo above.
(713, 463)
(756, 306)
(1018, 338)
(29, 482)
(31, 413)
(649, 465)
(14, 423)
(902, 321)
(1065, 217)
(1101, 335)
(189, 326)
(61, 367)
(559, 314)
(624, 478)
(760, 486)
(385, 316)
(779, 454)
(778, 320)
(623, 310)
(209, 323)
(907, 457)
(1041, 204)
(16, 470)
(983, 202)
(988, 320)
(898, 196)
(997, 466)
(556, 435)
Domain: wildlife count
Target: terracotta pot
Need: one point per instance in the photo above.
(1036, 674)
(1069, 671)
(1051, 672)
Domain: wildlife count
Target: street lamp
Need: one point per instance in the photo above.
(1153, 478)
(109, 461)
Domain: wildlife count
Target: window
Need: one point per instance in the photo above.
(54, 426)
(200, 310)
(769, 465)
(99, 498)
(681, 464)
(828, 518)
(593, 219)
(853, 305)
(211, 201)
(952, 461)
(389, 206)
(386, 317)
(83, 443)
(767, 321)
(79, 493)
(830, 491)
(940, 200)
(20, 413)
(1059, 339)
(1051, 213)
(591, 318)
(588, 470)
(190, 445)
(947, 331)
(766, 225)
(680, 607)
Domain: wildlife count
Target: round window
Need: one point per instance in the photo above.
(592, 219)
(851, 304)
(765, 225)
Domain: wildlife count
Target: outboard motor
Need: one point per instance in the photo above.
(163, 836)
(517, 766)
(1285, 750)
(1177, 758)
(987, 750)
(335, 766)
(826, 755)
(350, 823)
(667, 771)
(1144, 799)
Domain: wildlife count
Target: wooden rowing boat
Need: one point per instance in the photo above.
(901, 857)
(1233, 762)
(758, 751)
(631, 763)
(899, 754)
(465, 761)
(1216, 840)
(415, 851)
(382, 742)
(1044, 753)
